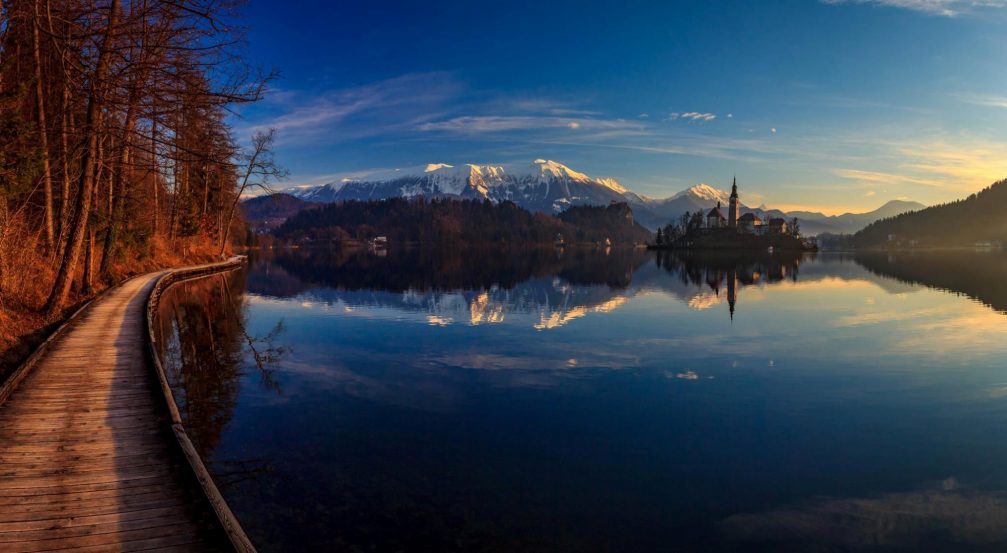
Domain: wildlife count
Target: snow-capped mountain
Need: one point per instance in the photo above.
(704, 193)
(542, 185)
(548, 186)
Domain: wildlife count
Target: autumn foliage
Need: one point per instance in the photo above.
(115, 154)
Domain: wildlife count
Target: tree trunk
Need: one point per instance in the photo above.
(3, 244)
(227, 227)
(43, 131)
(119, 192)
(78, 226)
(64, 197)
(87, 284)
(156, 174)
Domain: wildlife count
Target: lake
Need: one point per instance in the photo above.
(601, 400)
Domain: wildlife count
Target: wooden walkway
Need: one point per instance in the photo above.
(88, 461)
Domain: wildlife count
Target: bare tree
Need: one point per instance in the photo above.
(82, 209)
(42, 128)
(113, 134)
(259, 169)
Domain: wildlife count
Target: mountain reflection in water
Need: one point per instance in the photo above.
(593, 400)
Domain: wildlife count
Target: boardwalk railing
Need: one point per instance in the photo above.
(229, 523)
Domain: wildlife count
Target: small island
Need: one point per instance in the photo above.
(693, 231)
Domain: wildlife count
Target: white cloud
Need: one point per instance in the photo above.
(469, 124)
(985, 100)
(773, 130)
(870, 193)
(359, 111)
(946, 8)
(697, 116)
(885, 178)
(691, 116)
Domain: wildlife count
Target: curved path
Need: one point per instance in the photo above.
(88, 461)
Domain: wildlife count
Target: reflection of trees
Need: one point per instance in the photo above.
(979, 275)
(202, 356)
(264, 350)
(924, 520)
(423, 269)
(203, 339)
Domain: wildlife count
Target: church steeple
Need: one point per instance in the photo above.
(735, 208)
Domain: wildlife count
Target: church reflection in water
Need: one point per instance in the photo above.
(730, 272)
(542, 288)
(206, 347)
(398, 359)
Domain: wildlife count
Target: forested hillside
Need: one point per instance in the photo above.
(448, 221)
(114, 152)
(978, 218)
(271, 210)
(614, 221)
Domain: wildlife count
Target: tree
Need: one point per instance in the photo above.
(89, 165)
(696, 221)
(259, 168)
(112, 113)
(660, 237)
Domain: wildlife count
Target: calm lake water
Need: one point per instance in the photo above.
(601, 401)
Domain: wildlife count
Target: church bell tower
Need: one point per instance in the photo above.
(732, 217)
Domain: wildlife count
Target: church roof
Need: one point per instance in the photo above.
(715, 212)
(750, 217)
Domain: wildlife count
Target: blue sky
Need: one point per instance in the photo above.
(835, 105)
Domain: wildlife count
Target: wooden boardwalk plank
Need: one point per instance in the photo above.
(86, 455)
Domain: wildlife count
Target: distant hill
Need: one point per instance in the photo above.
(272, 210)
(547, 186)
(816, 223)
(596, 223)
(452, 221)
(978, 218)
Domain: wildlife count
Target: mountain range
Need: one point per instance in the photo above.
(551, 187)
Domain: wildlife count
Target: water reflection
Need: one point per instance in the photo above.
(976, 274)
(206, 350)
(601, 401)
(729, 272)
(543, 288)
(201, 350)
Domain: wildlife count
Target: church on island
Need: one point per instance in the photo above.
(731, 230)
(748, 223)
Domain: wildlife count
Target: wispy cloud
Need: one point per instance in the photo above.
(988, 100)
(963, 163)
(885, 178)
(499, 123)
(945, 8)
(691, 116)
(358, 111)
